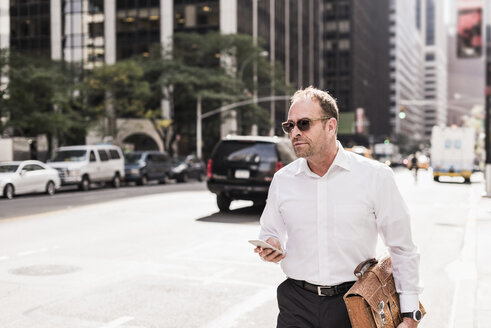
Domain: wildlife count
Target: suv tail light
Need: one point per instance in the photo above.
(208, 168)
(278, 166)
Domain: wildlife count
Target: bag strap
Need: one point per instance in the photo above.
(363, 267)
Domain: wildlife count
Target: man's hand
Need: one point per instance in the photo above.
(268, 254)
(408, 323)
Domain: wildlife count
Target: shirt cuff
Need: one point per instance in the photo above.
(409, 302)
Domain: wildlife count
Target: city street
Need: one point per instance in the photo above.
(170, 259)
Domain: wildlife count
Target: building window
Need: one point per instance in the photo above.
(96, 7)
(331, 26)
(344, 44)
(329, 45)
(96, 29)
(30, 27)
(198, 17)
(430, 57)
(430, 22)
(344, 26)
(137, 27)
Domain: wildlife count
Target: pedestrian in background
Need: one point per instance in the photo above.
(324, 211)
(415, 166)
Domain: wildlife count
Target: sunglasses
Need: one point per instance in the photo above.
(302, 124)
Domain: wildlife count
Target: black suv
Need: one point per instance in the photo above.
(143, 166)
(242, 167)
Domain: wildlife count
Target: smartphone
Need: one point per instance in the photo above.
(263, 244)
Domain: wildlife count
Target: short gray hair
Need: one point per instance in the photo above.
(325, 100)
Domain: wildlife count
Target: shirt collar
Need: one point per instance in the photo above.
(341, 160)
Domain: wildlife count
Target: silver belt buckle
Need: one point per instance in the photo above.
(319, 290)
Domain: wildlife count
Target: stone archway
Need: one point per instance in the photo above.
(140, 141)
(140, 133)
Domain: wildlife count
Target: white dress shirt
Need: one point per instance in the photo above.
(328, 225)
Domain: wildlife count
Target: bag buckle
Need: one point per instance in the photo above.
(381, 312)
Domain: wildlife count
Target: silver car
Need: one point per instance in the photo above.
(27, 177)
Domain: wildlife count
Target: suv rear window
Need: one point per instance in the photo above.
(250, 152)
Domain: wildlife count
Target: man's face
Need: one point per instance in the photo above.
(314, 140)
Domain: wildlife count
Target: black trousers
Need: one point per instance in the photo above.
(300, 308)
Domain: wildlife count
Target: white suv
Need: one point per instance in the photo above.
(81, 165)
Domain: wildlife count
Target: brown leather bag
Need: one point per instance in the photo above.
(373, 302)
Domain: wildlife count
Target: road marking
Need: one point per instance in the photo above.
(3, 258)
(230, 318)
(33, 251)
(118, 322)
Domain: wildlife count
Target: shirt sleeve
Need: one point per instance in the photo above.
(272, 224)
(394, 226)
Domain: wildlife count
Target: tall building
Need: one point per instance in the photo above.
(356, 54)
(406, 72)
(435, 66)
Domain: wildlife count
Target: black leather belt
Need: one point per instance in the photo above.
(324, 290)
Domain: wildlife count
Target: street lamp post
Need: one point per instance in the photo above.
(244, 64)
(198, 127)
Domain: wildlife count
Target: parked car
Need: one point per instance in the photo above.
(27, 177)
(82, 165)
(189, 167)
(242, 167)
(144, 166)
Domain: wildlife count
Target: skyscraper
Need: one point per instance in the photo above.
(435, 65)
(406, 72)
(356, 55)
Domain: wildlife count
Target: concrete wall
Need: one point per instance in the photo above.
(6, 153)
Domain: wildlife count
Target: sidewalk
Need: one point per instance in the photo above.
(482, 311)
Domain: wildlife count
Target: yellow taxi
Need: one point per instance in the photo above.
(361, 150)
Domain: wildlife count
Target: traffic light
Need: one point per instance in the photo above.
(402, 112)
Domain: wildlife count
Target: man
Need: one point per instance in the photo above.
(324, 210)
(415, 166)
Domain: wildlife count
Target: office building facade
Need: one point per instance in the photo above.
(435, 65)
(355, 70)
(406, 72)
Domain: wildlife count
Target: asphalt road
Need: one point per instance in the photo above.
(172, 259)
(69, 197)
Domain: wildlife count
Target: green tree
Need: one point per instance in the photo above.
(38, 99)
(217, 67)
(116, 91)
